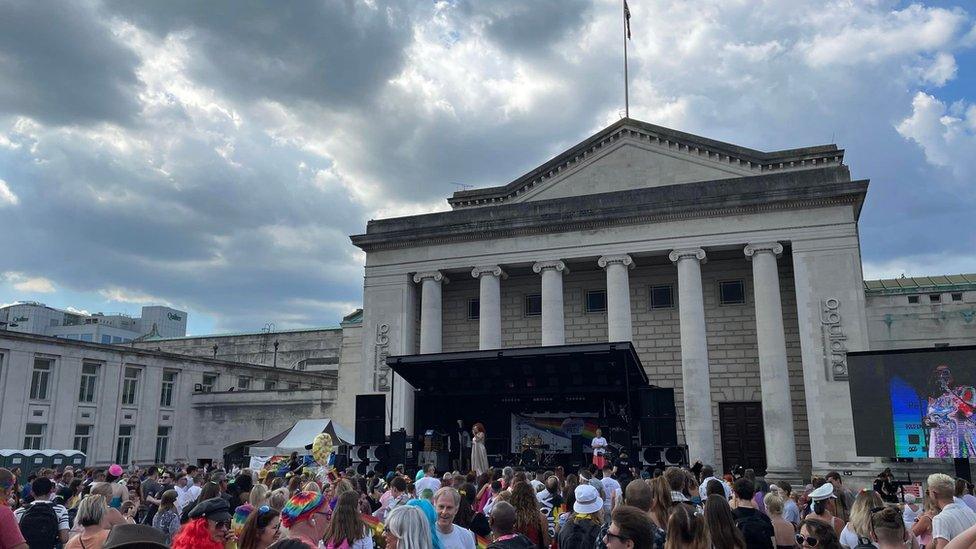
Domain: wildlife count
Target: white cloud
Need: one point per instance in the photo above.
(25, 283)
(942, 69)
(125, 295)
(946, 135)
(77, 311)
(7, 197)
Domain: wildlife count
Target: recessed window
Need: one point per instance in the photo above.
(935, 298)
(166, 391)
(533, 305)
(662, 297)
(89, 379)
(34, 436)
(130, 386)
(474, 309)
(912, 299)
(596, 301)
(209, 382)
(243, 382)
(270, 385)
(41, 378)
(957, 296)
(732, 292)
(82, 438)
(123, 445)
(162, 443)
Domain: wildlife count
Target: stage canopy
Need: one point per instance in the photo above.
(568, 369)
(300, 435)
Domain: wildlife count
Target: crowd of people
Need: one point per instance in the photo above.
(186, 507)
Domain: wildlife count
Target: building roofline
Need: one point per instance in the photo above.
(921, 284)
(239, 334)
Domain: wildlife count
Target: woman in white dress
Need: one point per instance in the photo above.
(479, 456)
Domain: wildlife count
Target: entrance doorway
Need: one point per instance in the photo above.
(743, 439)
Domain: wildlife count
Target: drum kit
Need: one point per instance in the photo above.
(533, 452)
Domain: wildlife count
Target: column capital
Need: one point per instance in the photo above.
(554, 265)
(754, 248)
(493, 270)
(436, 276)
(687, 253)
(622, 259)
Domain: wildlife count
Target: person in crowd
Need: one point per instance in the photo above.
(845, 498)
(888, 530)
(398, 497)
(306, 516)
(209, 526)
(260, 496)
(611, 487)
(428, 482)
(209, 491)
(528, 519)
(279, 498)
(822, 507)
(784, 531)
(922, 529)
(911, 510)
(136, 536)
(721, 524)
(502, 522)
(583, 528)
(428, 509)
(347, 529)
(628, 529)
(686, 529)
(508, 477)
(261, 529)
(42, 522)
(551, 504)
(791, 511)
(708, 474)
(10, 536)
(678, 485)
(91, 512)
(407, 528)
(953, 517)
(815, 533)
(884, 485)
(119, 492)
(447, 501)
(166, 519)
(640, 496)
(964, 493)
(756, 527)
(858, 529)
(479, 454)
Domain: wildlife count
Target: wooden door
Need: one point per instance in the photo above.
(743, 440)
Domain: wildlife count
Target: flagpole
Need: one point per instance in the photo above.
(626, 78)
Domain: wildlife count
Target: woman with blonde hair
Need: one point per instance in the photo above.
(859, 527)
(784, 532)
(686, 530)
(260, 494)
(91, 513)
(278, 498)
(660, 502)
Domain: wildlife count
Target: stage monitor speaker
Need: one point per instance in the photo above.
(660, 431)
(370, 419)
(577, 458)
(664, 456)
(656, 402)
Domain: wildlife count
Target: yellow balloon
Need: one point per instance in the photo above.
(322, 448)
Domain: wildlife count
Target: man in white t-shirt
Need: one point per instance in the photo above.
(953, 518)
(428, 482)
(446, 503)
(611, 487)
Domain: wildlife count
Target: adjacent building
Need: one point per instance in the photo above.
(37, 318)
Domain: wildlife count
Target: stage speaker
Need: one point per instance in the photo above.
(664, 456)
(656, 402)
(398, 447)
(658, 431)
(577, 458)
(370, 419)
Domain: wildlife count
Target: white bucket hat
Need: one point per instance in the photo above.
(587, 499)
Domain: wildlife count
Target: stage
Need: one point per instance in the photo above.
(551, 398)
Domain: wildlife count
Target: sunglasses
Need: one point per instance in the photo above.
(811, 541)
(619, 538)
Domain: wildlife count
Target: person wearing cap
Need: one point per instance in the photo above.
(306, 516)
(209, 526)
(822, 507)
(136, 536)
(583, 527)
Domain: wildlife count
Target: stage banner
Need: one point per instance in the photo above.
(554, 431)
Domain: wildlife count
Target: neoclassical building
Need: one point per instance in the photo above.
(735, 273)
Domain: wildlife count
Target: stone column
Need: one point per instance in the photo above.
(774, 375)
(619, 326)
(430, 310)
(553, 323)
(699, 433)
(490, 306)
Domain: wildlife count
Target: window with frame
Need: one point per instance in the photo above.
(244, 382)
(34, 436)
(130, 385)
(106, 338)
(596, 301)
(270, 385)
(167, 387)
(474, 309)
(957, 296)
(912, 299)
(533, 305)
(292, 386)
(209, 382)
(935, 298)
(732, 292)
(89, 381)
(662, 296)
(41, 378)
(82, 438)
(162, 443)
(124, 445)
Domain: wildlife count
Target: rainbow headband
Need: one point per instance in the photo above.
(301, 507)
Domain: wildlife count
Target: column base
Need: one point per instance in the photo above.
(793, 476)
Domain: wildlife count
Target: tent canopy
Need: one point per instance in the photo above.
(300, 435)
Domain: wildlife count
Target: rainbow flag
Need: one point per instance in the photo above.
(556, 426)
(481, 542)
(375, 524)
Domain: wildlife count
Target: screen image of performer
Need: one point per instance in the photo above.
(950, 417)
(599, 445)
(479, 455)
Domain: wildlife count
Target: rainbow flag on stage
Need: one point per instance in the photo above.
(481, 542)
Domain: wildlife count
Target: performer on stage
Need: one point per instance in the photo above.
(599, 445)
(951, 417)
(479, 456)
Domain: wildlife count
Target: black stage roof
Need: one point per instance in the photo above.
(562, 369)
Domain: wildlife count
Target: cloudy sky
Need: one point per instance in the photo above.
(215, 156)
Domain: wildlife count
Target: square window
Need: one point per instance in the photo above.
(935, 298)
(106, 339)
(732, 292)
(243, 382)
(662, 297)
(533, 305)
(912, 299)
(474, 309)
(957, 296)
(596, 301)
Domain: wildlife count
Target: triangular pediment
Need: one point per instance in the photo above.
(632, 155)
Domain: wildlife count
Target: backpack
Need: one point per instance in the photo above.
(864, 543)
(579, 535)
(39, 526)
(757, 530)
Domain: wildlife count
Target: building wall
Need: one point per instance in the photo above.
(894, 323)
(190, 439)
(350, 382)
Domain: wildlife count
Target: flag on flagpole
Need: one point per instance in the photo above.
(627, 17)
